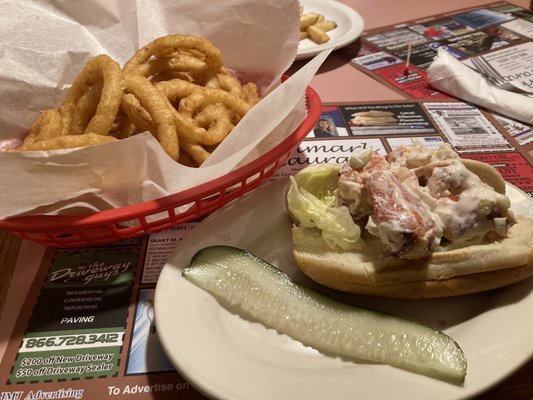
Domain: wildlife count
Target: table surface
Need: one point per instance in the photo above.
(376, 13)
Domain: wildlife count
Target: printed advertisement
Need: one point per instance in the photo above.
(520, 132)
(442, 28)
(513, 65)
(500, 32)
(330, 124)
(420, 56)
(377, 60)
(482, 18)
(399, 118)
(88, 330)
(520, 26)
(512, 166)
(474, 43)
(397, 39)
(432, 142)
(411, 81)
(467, 129)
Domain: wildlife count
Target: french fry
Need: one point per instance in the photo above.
(326, 25)
(314, 26)
(317, 35)
(308, 19)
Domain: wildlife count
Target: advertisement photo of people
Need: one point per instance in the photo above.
(325, 127)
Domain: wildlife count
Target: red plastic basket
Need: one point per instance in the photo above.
(156, 215)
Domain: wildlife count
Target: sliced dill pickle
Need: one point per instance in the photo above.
(257, 290)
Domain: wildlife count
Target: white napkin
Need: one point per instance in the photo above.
(451, 76)
(45, 44)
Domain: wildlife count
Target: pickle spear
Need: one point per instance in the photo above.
(259, 291)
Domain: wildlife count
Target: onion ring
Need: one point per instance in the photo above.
(100, 68)
(197, 100)
(209, 127)
(137, 114)
(48, 125)
(229, 83)
(165, 46)
(175, 87)
(126, 129)
(156, 104)
(183, 63)
(250, 94)
(186, 159)
(85, 109)
(216, 119)
(197, 153)
(67, 142)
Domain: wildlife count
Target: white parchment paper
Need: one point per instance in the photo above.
(46, 43)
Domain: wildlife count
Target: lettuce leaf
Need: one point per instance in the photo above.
(320, 183)
(314, 208)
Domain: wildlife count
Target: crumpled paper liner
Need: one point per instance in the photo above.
(36, 75)
(451, 76)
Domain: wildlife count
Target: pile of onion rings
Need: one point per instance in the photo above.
(176, 87)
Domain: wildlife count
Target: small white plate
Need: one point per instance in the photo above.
(227, 357)
(349, 26)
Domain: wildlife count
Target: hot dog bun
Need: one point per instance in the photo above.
(487, 173)
(450, 270)
(446, 273)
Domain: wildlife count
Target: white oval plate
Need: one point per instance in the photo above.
(349, 26)
(227, 357)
